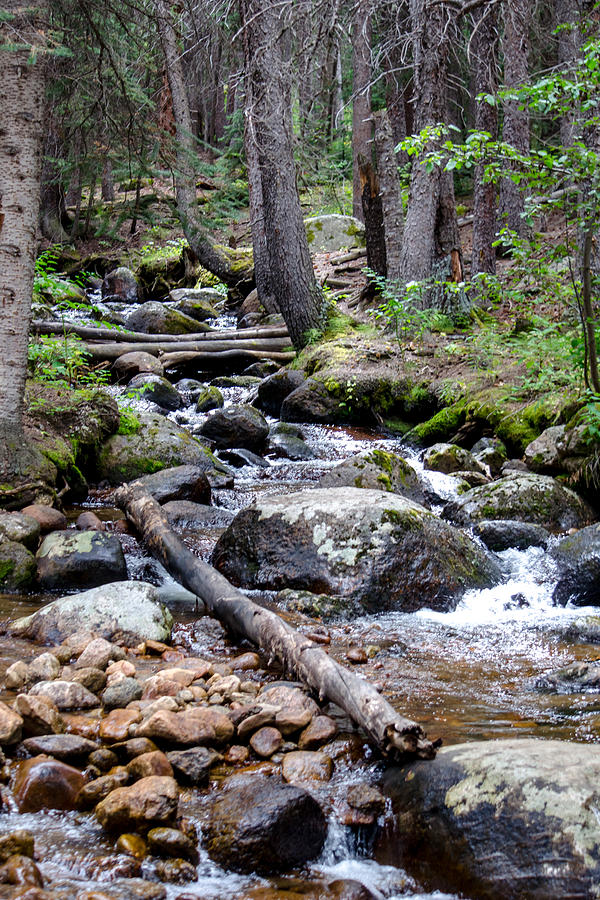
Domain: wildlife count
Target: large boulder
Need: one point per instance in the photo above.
(236, 426)
(449, 458)
(150, 801)
(334, 232)
(273, 390)
(542, 454)
(179, 483)
(23, 529)
(43, 783)
(373, 548)
(525, 497)
(578, 560)
(136, 362)
(376, 470)
(17, 566)
(79, 559)
(125, 609)
(261, 825)
(196, 302)
(155, 388)
(155, 444)
(153, 317)
(501, 819)
(120, 284)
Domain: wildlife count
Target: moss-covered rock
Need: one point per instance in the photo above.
(153, 317)
(334, 232)
(17, 566)
(157, 444)
(378, 550)
(449, 458)
(22, 529)
(376, 470)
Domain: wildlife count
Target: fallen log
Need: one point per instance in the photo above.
(347, 257)
(89, 333)
(397, 737)
(176, 360)
(107, 352)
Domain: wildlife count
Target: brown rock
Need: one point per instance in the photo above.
(366, 798)
(11, 725)
(178, 728)
(175, 871)
(91, 678)
(288, 721)
(68, 747)
(254, 717)
(183, 676)
(115, 727)
(156, 647)
(147, 764)
(122, 668)
(84, 726)
(44, 667)
(320, 730)
(132, 845)
(49, 519)
(246, 662)
(303, 765)
(158, 686)
(200, 667)
(219, 721)
(16, 675)
(98, 653)
(20, 870)
(103, 759)
(237, 755)
(356, 655)
(173, 655)
(148, 801)
(66, 694)
(39, 714)
(44, 783)
(266, 741)
(92, 793)
(134, 747)
(20, 842)
(289, 698)
(89, 521)
(172, 842)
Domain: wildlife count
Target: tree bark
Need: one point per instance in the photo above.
(391, 197)
(362, 122)
(568, 14)
(515, 46)
(431, 239)
(291, 273)
(396, 737)
(485, 203)
(373, 217)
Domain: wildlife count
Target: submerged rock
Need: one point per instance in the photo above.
(376, 549)
(236, 426)
(538, 499)
(258, 825)
(80, 559)
(125, 609)
(501, 819)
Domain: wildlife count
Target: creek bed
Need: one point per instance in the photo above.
(465, 675)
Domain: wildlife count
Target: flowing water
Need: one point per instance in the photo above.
(465, 675)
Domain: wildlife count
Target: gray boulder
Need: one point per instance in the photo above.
(155, 388)
(185, 514)
(538, 499)
(127, 609)
(334, 232)
(178, 483)
(289, 446)
(578, 560)
(273, 390)
(375, 549)
(153, 317)
(236, 426)
(120, 284)
(22, 529)
(377, 470)
(261, 825)
(17, 567)
(449, 458)
(198, 303)
(504, 534)
(210, 397)
(79, 559)
(542, 454)
(131, 364)
(501, 819)
(157, 444)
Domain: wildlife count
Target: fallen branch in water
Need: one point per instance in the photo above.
(114, 335)
(107, 352)
(397, 737)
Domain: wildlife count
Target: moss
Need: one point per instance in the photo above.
(385, 481)
(128, 423)
(440, 426)
(6, 568)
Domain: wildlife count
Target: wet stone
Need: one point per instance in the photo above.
(254, 718)
(99, 788)
(148, 801)
(246, 662)
(44, 668)
(192, 766)
(175, 871)
(134, 747)
(44, 783)
(356, 655)
(132, 845)
(176, 728)
(66, 694)
(115, 727)
(103, 759)
(266, 741)
(11, 725)
(98, 654)
(118, 695)
(320, 730)
(39, 714)
(68, 747)
(84, 726)
(366, 798)
(237, 755)
(20, 841)
(16, 675)
(92, 679)
(147, 764)
(172, 842)
(20, 870)
(306, 765)
(290, 721)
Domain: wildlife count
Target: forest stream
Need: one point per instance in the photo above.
(465, 675)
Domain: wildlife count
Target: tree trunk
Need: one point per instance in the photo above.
(431, 240)
(108, 186)
(361, 103)
(515, 46)
(391, 197)
(569, 41)
(373, 217)
(485, 224)
(221, 261)
(291, 273)
(398, 738)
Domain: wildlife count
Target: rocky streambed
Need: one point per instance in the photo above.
(150, 758)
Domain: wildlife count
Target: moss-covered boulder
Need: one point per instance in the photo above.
(196, 302)
(376, 470)
(17, 566)
(209, 397)
(538, 499)
(378, 550)
(149, 444)
(23, 529)
(236, 426)
(120, 284)
(497, 819)
(153, 317)
(154, 388)
(578, 560)
(334, 232)
(76, 559)
(449, 458)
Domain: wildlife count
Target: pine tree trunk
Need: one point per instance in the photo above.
(268, 70)
(485, 222)
(431, 240)
(515, 46)
(361, 103)
(373, 216)
(391, 198)
(569, 40)
(21, 129)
